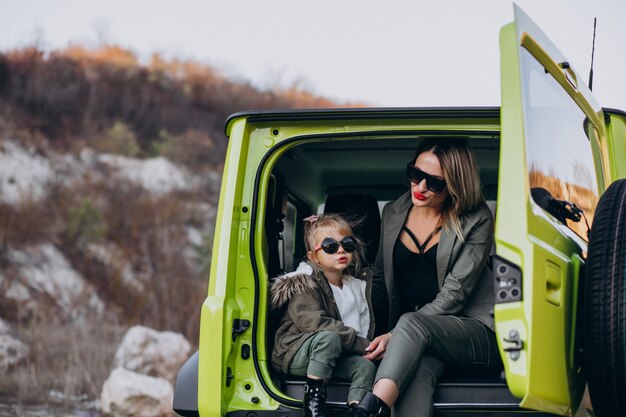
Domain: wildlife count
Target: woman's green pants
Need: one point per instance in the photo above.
(422, 346)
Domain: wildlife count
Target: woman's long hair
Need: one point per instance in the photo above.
(462, 177)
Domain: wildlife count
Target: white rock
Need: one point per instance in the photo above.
(12, 350)
(23, 173)
(149, 352)
(88, 156)
(157, 175)
(44, 270)
(5, 327)
(129, 394)
(194, 236)
(194, 252)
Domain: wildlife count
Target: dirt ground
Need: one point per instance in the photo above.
(8, 409)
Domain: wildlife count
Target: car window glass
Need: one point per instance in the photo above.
(559, 155)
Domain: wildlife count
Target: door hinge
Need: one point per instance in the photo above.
(518, 344)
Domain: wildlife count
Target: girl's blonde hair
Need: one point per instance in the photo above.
(460, 171)
(315, 224)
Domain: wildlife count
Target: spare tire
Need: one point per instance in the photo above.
(605, 305)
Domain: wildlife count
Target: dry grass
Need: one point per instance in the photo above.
(73, 360)
(26, 222)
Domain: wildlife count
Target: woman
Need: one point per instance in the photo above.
(431, 271)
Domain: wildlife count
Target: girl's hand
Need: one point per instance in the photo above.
(377, 347)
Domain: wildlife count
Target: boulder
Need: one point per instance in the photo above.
(153, 353)
(129, 394)
(46, 279)
(12, 350)
(156, 175)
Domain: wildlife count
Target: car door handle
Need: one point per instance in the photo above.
(554, 283)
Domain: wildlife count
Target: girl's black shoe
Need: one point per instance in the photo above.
(315, 398)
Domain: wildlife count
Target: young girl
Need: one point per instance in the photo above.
(328, 320)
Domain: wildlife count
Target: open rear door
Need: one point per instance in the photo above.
(549, 181)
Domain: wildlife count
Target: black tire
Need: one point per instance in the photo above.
(605, 305)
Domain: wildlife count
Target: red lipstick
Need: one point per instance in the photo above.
(418, 196)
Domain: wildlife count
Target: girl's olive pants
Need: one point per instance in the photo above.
(321, 356)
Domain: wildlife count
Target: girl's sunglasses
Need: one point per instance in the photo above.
(330, 245)
(416, 175)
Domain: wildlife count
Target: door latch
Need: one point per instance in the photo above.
(229, 376)
(518, 344)
(240, 326)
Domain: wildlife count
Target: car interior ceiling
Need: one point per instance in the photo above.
(313, 170)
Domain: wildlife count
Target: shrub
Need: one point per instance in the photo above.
(78, 92)
(85, 224)
(192, 148)
(119, 139)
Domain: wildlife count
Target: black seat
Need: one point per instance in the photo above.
(362, 209)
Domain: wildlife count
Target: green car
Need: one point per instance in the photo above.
(550, 159)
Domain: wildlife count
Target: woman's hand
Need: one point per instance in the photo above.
(377, 347)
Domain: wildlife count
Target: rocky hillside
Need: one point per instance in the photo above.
(109, 176)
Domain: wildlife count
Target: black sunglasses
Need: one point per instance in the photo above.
(330, 245)
(416, 175)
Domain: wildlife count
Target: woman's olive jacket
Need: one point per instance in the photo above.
(309, 307)
(465, 281)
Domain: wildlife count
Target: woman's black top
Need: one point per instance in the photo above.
(415, 273)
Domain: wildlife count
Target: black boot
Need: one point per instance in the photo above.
(315, 398)
(369, 406)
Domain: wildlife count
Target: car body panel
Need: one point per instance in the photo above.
(547, 373)
(216, 353)
(616, 141)
(238, 278)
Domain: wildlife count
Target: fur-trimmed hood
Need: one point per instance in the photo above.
(297, 282)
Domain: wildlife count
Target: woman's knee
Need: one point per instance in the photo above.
(412, 324)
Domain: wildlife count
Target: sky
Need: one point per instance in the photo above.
(390, 53)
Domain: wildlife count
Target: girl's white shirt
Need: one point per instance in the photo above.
(352, 304)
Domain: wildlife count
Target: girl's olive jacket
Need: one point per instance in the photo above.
(465, 281)
(309, 307)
